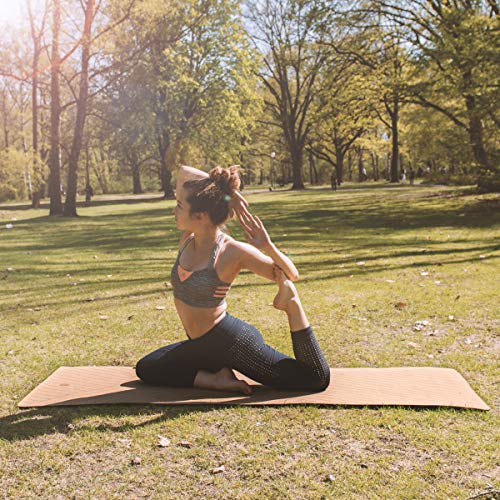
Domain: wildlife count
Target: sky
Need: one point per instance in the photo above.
(11, 11)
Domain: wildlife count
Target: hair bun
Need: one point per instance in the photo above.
(227, 179)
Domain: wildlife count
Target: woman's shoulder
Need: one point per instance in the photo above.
(236, 249)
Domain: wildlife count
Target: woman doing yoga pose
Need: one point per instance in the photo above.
(207, 263)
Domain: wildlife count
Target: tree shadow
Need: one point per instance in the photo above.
(35, 422)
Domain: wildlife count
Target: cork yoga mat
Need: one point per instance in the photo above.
(93, 385)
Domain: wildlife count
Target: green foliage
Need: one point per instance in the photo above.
(12, 166)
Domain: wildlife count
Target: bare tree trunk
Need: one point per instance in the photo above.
(488, 172)
(136, 175)
(297, 161)
(37, 173)
(395, 141)
(56, 207)
(4, 114)
(81, 113)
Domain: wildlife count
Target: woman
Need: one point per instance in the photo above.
(208, 262)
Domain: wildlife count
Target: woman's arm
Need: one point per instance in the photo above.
(256, 235)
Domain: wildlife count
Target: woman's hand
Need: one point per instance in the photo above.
(238, 205)
(254, 230)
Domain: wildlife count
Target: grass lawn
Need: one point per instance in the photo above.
(360, 251)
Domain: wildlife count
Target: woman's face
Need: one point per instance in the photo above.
(183, 220)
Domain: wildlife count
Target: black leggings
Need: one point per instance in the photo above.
(236, 344)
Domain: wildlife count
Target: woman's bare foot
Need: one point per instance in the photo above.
(223, 380)
(287, 295)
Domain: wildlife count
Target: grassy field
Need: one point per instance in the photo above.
(360, 251)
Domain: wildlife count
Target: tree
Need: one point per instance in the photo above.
(290, 36)
(36, 33)
(455, 44)
(56, 207)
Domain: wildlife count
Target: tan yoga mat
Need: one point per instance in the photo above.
(92, 385)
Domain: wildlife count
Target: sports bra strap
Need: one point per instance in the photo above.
(216, 249)
(185, 244)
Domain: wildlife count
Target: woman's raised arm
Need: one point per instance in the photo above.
(256, 235)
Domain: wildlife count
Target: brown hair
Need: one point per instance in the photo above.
(212, 195)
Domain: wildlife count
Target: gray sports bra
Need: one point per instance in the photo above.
(201, 288)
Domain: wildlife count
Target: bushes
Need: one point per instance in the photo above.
(7, 193)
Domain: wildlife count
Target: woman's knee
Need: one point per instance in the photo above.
(143, 370)
(319, 380)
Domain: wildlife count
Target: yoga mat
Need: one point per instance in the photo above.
(93, 385)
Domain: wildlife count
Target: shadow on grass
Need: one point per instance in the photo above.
(150, 198)
(34, 422)
(27, 424)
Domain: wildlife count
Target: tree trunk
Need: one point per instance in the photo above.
(37, 174)
(361, 177)
(81, 113)
(4, 114)
(297, 161)
(136, 176)
(395, 141)
(349, 166)
(488, 173)
(375, 166)
(56, 207)
(165, 174)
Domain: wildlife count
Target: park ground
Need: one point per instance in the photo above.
(374, 260)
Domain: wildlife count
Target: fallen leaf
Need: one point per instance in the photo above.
(360, 263)
(414, 345)
(109, 276)
(400, 305)
(163, 441)
(330, 478)
(421, 324)
(390, 281)
(218, 470)
(457, 297)
(70, 427)
(451, 318)
(468, 341)
(160, 308)
(185, 444)
(136, 461)
(482, 256)
(130, 317)
(437, 282)
(90, 299)
(103, 316)
(168, 284)
(424, 273)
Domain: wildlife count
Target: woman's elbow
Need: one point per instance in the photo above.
(294, 277)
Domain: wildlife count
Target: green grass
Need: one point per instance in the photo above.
(115, 261)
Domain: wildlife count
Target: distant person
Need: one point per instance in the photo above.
(333, 180)
(411, 175)
(420, 172)
(364, 174)
(403, 176)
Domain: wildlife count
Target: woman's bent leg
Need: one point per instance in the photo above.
(259, 361)
(169, 365)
